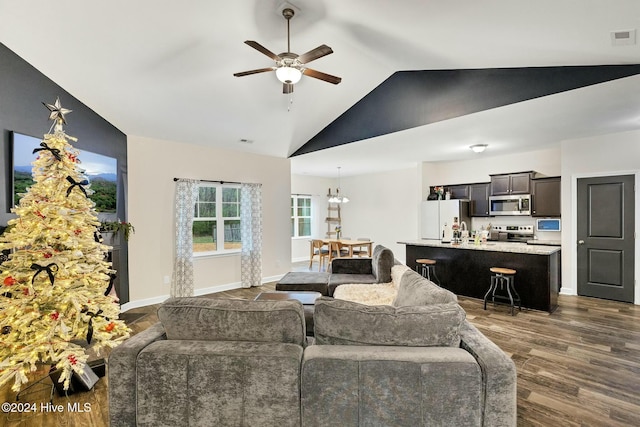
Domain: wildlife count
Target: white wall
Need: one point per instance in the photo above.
(152, 166)
(613, 154)
(317, 188)
(383, 207)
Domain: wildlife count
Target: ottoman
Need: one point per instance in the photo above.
(304, 281)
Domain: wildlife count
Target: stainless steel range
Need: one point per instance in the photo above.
(512, 233)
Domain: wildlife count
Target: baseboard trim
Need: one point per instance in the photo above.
(568, 291)
(197, 292)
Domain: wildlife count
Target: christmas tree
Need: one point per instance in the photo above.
(54, 300)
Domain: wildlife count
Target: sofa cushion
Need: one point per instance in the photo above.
(416, 290)
(218, 383)
(207, 319)
(304, 281)
(344, 385)
(381, 263)
(340, 322)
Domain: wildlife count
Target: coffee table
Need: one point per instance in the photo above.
(307, 298)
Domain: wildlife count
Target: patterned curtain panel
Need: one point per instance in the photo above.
(251, 235)
(186, 196)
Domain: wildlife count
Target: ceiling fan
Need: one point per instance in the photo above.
(290, 66)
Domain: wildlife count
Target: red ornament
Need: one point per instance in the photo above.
(55, 315)
(47, 255)
(73, 158)
(8, 281)
(25, 291)
(110, 327)
(77, 232)
(72, 359)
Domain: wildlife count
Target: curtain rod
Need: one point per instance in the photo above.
(209, 180)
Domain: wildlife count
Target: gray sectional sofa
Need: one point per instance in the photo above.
(376, 269)
(220, 362)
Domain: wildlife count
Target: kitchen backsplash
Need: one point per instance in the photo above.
(482, 223)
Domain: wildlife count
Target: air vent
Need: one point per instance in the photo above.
(245, 141)
(623, 37)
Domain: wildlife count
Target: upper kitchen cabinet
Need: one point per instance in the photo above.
(479, 197)
(514, 183)
(545, 196)
(459, 191)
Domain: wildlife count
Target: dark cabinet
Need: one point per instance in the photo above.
(479, 196)
(459, 191)
(515, 183)
(545, 196)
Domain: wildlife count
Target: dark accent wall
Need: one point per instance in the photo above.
(22, 91)
(409, 99)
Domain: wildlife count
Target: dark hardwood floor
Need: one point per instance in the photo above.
(579, 366)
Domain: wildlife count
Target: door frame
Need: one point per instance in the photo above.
(572, 240)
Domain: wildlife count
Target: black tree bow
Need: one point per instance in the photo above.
(50, 269)
(74, 183)
(90, 326)
(112, 278)
(54, 151)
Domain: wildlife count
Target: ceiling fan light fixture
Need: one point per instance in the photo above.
(288, 75)
(478, 148)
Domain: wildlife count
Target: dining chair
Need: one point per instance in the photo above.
(319, 249)
(337, 250)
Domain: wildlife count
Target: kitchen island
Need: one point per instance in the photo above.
(464, 269)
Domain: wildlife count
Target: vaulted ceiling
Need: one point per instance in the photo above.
(165, 70)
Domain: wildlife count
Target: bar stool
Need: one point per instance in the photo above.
(427, 268)
(505, 278)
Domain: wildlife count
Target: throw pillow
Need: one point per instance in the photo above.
(338, 322)
(208, 319)
(416, 290)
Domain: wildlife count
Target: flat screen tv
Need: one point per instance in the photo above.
(101, 171)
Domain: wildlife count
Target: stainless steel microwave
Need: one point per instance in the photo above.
(510, 205)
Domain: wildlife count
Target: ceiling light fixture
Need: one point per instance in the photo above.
(288, 74)
(337, 198)
(478, 148)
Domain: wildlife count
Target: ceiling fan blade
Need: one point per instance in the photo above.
(314, 54)
(287, 88)
(257, 46)
(322, 76)
(259, 70)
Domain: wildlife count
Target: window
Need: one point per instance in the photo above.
(217, 204)
(300, 216)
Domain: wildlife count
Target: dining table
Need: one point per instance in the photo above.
(349, 244)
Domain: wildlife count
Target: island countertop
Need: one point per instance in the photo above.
(465, 269)
(514, 247)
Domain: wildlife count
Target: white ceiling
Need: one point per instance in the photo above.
(164, 69)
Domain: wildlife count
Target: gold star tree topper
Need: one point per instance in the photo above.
(57, 112)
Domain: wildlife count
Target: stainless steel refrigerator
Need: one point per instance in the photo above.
(435, 213)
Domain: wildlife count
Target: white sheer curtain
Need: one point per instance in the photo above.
(186, 196)
(251, 235)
